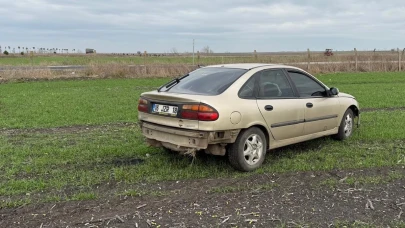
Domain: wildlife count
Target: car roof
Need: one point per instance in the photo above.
(248, 66)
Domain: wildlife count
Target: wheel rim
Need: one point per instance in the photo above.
(348, 125)
(253, 149)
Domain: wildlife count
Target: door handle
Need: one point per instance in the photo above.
(268, 108)
(310, 105)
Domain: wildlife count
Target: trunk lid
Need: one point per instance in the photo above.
(162, 101)
(171, 97)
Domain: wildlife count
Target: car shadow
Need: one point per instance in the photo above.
(294, 150)
(290, 152)
(202, 159)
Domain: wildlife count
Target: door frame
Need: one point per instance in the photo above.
(309, 120)
(295, 96)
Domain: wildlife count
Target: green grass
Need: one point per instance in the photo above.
(81, 60)
(100, 59)
(46, 166)
(375, 95)
(84, 196)
(359, 224)
(375, 144)
(35, 162)
(14, 203)
(338, 79)
(372, 90)
(61, 103)
(345, 224)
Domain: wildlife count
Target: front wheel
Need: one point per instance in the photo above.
(249, 150)
(346, 126)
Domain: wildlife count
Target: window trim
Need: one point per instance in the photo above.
(288, 70)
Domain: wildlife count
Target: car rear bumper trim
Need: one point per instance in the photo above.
(183, 139)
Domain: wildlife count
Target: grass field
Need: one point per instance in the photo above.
(63, 59)
(17, 68)
(71, 140)
(86, 60)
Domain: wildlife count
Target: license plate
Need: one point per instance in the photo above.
(165, 109)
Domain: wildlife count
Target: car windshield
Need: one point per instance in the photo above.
(207, 81)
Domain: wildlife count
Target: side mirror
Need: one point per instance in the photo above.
(334, 91)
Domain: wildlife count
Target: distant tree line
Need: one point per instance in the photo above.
(25, 50)
(22, 50)
(172, 52)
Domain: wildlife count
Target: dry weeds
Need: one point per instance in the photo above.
(344, 62)
(119, 70)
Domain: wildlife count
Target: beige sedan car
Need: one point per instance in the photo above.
(244, 110)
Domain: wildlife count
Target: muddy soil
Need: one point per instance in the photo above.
(64, 130)
(266, 200)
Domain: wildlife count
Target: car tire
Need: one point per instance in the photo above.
(346, 126)
(247, 153)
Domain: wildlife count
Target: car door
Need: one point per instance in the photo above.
(282, 110)
(321, 110)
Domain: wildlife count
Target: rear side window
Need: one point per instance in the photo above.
(274, 84)
(247, 90)
(207, 81)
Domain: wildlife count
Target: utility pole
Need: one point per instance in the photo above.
(193, 52)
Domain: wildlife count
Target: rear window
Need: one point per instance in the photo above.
(207, 81)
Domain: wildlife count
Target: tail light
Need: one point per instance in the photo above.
(201, 112)
(142, 105)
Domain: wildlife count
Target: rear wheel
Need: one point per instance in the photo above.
(249, 150)
(346, 126)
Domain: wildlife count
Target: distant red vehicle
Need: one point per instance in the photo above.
(328, 52)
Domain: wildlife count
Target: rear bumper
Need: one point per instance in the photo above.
(184, 140)
(179, 138)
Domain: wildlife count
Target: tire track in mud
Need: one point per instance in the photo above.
(372, 82)
(301, 199)
(390, 109)
(65, 129)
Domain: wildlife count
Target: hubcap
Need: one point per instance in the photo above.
(348, 125)
(253, 149)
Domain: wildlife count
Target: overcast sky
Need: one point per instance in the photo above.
(224, 25)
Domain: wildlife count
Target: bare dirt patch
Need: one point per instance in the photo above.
(295, 200)
(65, 129)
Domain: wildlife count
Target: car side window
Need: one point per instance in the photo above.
(247, 90)
(306, 86)
(274, 84)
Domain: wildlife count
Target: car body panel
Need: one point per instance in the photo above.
(286, 120)
(322, 116)
(345, 95)
(236, 114)
(303, 138)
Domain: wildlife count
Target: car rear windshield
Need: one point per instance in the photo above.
(207, 81)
